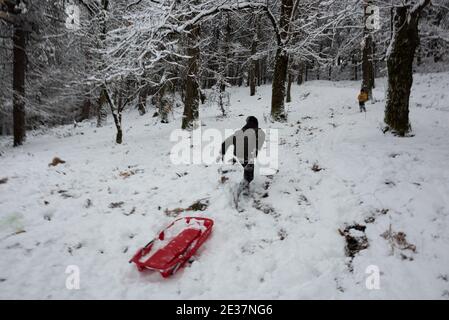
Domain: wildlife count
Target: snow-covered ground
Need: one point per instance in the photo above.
(286, 244)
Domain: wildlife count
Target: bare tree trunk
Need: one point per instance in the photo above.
(252, 68)
(223, 68)
(165, 103)
(278, 90)
(257, 72)
(142, 104)
(191, 102)
(239, 75)
(356, 71)
(300, 79)
(367, 55)
(263, 71)
(19, 68)
(306, 73)
(116, 104)
(281, 65)
(118, 119)
(86, 109)
(374, 65)
(101, 108)
(259, 62)
(400, 67)
(253, 73)
(289, 88)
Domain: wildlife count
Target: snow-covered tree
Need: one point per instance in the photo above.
(400, 57)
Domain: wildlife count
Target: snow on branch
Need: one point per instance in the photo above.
(419, 6)
(232, 7)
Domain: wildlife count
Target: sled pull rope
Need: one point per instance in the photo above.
(146, 246)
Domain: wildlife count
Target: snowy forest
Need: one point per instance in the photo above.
(92, 91)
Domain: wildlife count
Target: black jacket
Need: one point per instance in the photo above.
(247, 142)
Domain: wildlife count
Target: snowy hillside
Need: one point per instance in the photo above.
(385, 196)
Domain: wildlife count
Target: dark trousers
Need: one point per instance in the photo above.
(362, 106)
(248, 172)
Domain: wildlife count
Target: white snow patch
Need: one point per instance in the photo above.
(85, 213)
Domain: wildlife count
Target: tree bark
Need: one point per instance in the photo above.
(367, 55)
(165, 103)
(142, 104)
(257, 72)
(117, 105)
(281, 65)
(278, 86)
(239, 75)
(374, 65)
(19, 69)
(289, 88)
(191, 102)
(263, 71)
(300, 79)
(306, 73)
(355, 65)
(400, 67)
(101, 108)
(86, 109)
(118, 118)
(252, 68)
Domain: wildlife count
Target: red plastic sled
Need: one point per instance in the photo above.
(174, 246)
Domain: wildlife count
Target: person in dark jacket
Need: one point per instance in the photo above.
(247, 142)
